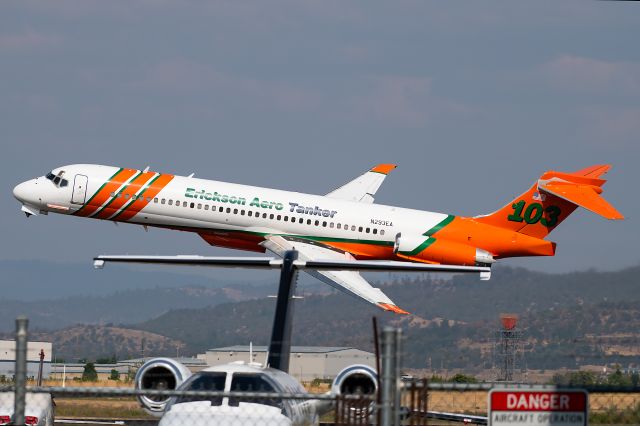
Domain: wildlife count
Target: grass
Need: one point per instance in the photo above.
(107, 408)
(604, 408)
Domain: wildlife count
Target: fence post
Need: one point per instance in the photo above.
(389, 394)
(397, 368)
(21, 370)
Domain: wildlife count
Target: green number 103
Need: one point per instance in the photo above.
(534, 214)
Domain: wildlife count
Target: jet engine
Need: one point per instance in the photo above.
(356, 380)
(411, 247)
(159, 374)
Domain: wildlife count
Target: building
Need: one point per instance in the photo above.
(193, 364)
(306, 362)
(73, 370)
(70, 371)
(8, 358)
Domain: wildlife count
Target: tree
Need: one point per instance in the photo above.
(463, 378)
(575, 378)
(618, 379)
(115, 375)
(436, 379)
(107, 360)
(89, 374)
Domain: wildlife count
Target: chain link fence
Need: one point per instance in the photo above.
(421, 404)
(394, 401)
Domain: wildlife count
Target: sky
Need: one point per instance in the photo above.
(472, 100)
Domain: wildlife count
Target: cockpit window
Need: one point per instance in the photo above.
(248, 382)
(203, 382)
(57, 180)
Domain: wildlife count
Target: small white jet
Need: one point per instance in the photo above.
(247, 379)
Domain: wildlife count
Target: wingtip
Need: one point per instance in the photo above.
(393, 308)
(383, 168)
(616, 216)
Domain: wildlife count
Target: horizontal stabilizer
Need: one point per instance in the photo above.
(586, 196)
(593, 171)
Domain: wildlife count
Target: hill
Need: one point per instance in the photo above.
(57, 295)
(120, 307)
(453, 323)
(33, 280)
(92, 342)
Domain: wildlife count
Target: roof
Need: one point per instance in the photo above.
(294, 349)
(184, 361)
(76, 368)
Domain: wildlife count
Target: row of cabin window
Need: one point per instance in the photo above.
(250, 213)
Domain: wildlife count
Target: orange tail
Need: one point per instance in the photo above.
(551, 200)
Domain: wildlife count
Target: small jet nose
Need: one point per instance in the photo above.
(21, 191)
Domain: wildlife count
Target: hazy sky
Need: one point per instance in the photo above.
(473, 101)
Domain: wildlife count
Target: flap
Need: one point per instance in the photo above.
(350, 282)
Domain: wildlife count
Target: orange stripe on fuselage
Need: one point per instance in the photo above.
(112, 186)
(498, 241)
(150, 193)
(130, 189)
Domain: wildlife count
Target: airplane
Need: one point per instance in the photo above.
(344, 225)
(243, 380)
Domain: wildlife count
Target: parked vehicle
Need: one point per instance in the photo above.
(39, 409)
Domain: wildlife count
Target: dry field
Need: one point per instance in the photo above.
(475, 402)
(98, 384)
(470, 402)
(103, 408)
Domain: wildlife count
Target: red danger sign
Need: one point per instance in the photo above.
(537, 407)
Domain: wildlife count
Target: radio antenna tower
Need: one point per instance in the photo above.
(508, 347)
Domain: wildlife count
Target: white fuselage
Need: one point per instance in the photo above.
(217, 208)
(248, 378)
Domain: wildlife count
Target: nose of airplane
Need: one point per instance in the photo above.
(21, 191)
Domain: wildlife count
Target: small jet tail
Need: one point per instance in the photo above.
(551, 200)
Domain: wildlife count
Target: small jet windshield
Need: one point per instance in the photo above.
(251, 382)
(203, 382)
(57, 180)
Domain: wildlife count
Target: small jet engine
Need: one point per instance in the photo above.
(159, 374)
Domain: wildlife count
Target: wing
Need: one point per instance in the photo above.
(365, 186)
(333, 267)
(351, 282)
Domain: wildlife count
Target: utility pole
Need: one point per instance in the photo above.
(22, 323)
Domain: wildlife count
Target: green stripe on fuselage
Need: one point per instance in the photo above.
(447, 220)
(125, 186)
(124, 207)
(98, 191)
(421, 247)
(430, 240)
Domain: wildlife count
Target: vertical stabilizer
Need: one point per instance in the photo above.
(551, 200)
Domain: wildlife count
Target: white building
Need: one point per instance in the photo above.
(123, 367)
(8, 358)
(306, 362)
